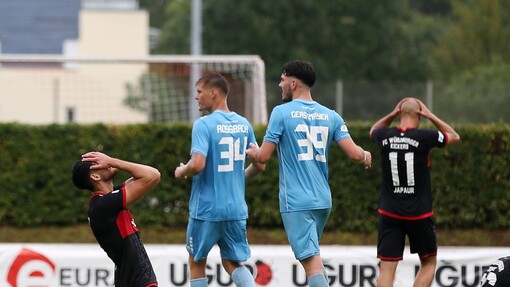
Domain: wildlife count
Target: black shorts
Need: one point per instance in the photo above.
(392, 237)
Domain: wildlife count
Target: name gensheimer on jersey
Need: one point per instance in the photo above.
(309, 116)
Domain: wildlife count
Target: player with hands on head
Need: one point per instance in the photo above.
(217, 209)
(111, 222)
(405, 204)
(301, 130)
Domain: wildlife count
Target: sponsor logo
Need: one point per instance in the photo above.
(264, 273)
(216, 275)
(31, 268)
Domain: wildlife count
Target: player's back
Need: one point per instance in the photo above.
(405, 161)
(218, 191)
(303, 132)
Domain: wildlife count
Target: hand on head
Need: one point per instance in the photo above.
(411, 105)
(424, 111)
(100, 160)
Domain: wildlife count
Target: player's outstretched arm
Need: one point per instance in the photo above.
(143, 179)
(253, 169)
(262, 154)
(195, 165)
(355, 152)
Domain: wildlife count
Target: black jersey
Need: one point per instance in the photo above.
(116, 232)
(405, 161)
(498, 274)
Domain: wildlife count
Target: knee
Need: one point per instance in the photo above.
(429, 262)
(230, 266)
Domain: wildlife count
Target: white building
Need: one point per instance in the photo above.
(46, 92)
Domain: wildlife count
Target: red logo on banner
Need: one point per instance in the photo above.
(31, 268)
(264, 273)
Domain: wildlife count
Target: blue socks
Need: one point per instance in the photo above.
(242, 277)
(325, 275)
(199, 282)
(318, 280)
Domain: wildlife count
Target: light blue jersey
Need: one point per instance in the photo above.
(218, 191)
(302, 132)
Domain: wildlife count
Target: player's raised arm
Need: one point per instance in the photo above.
(387, 120)
(143, 179)
(452, 136)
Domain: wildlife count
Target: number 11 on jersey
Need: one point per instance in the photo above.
(409, 158)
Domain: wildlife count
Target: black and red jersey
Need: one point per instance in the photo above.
(497, 274)
(116, 232)
(405, 161)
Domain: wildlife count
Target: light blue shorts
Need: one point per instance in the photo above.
(230, 236)
(304, 230)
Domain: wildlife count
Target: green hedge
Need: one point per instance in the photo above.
(471, 180)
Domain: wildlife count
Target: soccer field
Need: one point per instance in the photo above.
(82, 234)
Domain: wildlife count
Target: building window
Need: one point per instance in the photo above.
(70, 114)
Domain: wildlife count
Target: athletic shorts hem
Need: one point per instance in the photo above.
(427, 255)
(197, 260)
(236, 259)
(384, 258)
(308, 255)
(309, 208)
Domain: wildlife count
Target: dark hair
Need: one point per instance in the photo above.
(215, 80)
(302, 70)
(81, 175)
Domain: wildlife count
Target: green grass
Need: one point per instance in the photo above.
(82, 234)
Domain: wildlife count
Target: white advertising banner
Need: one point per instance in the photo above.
(59, 265)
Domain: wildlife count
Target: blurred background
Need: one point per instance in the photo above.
(452, 54)
(118, 76)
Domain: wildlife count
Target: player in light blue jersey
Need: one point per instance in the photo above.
(301, 131)
(217, 207)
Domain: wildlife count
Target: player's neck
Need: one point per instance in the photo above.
(303, 95)
(409, 123)
(104, 187)
(222, 106)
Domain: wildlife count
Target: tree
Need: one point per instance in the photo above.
(350, 40)
(156, 9)
(175, 31)
(478, 35)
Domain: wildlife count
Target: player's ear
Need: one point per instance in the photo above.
(95, 176)
(294, 84)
